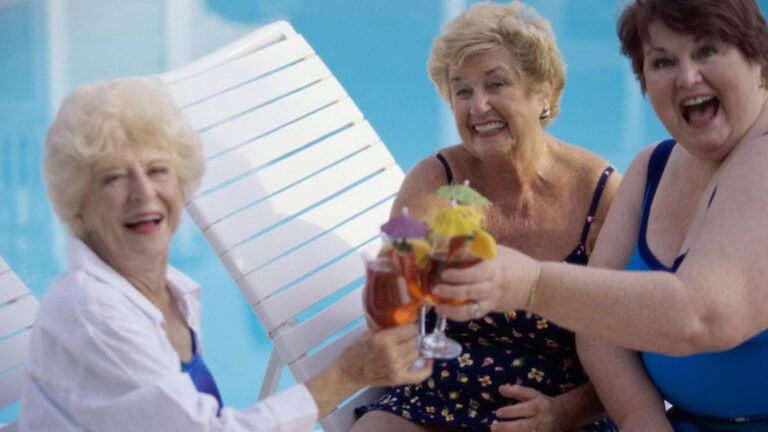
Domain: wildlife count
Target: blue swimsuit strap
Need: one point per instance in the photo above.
(656, 165)
(199, 373)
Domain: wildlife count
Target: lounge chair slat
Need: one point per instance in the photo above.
(18, 308)
(260, 284)
(18, 315)
(280, 142)
(14, 350)
(279, 309)
(217, 79)
(279, 273)
(249, 95)
(284, 205)
(319, 251)
(244, 258)
(256, 40)
(258, 185)
(255, 123)
(11, 287)
(295, 342)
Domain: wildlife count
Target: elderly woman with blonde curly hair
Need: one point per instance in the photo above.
(499, 69)
(116, 345)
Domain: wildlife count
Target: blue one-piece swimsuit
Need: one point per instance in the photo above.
(498, 348)
(199, 373)
(718, 387)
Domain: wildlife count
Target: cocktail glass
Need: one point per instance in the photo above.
(437, 344)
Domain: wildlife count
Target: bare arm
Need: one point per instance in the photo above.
(579, 407)
(625, 389)
(378, 358)
(715, 301)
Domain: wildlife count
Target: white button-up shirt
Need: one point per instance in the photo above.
(100, 361)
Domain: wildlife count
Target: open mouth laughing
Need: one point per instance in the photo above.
(489, 127)
(698, 111)
(145, 223)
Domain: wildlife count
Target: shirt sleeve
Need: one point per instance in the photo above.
(106, 368)
(293, 409)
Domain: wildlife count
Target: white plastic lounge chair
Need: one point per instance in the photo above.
(297, 185)
(18, 308)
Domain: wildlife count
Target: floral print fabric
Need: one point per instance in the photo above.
(497, 349)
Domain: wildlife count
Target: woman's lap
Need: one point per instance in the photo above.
(375, 421)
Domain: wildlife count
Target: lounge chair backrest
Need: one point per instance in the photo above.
(296, 187)
(18, 308)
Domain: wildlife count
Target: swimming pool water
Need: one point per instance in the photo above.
(377, 50)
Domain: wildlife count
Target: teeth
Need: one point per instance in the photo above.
(145, 219)
(489, 126)
(697, 100)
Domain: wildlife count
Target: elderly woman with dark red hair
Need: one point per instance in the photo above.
(687, 321)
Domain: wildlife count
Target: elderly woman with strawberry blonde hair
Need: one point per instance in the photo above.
(499, 69)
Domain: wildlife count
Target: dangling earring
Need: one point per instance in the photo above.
(544, 113)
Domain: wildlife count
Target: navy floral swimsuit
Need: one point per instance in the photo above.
(498, 348)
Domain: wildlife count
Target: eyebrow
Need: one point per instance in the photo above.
(111, 166)
(488, 72)
(651, 49)
(696, 40)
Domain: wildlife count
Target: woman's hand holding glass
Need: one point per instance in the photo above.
(384, 357)
(501, 284)
(393, 297)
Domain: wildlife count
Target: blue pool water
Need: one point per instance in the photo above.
(377, 50)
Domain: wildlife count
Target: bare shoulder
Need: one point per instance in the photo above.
(588, 168)
(742, 182)
(632, 182)
(746, 167)
(417, 191)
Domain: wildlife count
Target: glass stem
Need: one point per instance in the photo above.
(423, 320)
(440, 325)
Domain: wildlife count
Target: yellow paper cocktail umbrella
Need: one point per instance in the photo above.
(460, 223)
(455, 220)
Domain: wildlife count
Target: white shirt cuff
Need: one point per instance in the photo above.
(294, 408)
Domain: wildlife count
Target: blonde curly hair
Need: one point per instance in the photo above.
(516, 27)
(98, 120)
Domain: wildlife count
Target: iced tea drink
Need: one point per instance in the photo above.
(386, 296)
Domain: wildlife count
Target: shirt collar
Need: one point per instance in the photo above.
(81, 257)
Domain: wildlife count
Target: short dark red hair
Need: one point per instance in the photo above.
(737, 22)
